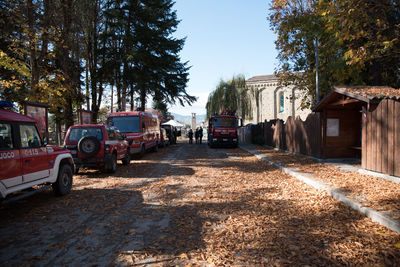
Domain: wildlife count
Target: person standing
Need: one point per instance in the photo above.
(190, 134)
(196, 135)
(200, 134)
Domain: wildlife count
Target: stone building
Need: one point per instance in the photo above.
(270, 102)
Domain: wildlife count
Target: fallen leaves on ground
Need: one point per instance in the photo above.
(224, 207)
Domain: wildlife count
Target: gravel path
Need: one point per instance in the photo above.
(191, 205)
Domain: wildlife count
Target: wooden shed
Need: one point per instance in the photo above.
(362, 121)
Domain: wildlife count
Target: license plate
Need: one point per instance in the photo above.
(225, 139)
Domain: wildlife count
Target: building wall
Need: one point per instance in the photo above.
(268, 107)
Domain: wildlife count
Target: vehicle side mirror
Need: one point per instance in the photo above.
(45, 141)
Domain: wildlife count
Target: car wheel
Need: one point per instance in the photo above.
(63, 184)
(155, 148)
(212, 145)
(142, 151)
(89, 146)
(127, 159)
(111, 164)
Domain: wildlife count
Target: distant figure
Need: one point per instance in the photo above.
(200, 134)
(196, 135)
(190, 134)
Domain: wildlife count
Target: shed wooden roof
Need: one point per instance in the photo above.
(370, 92)
(366, 94)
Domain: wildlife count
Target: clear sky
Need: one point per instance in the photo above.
(223, 38)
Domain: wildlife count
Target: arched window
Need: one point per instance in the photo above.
(281, 102)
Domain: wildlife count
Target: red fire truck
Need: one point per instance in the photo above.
(223, 130)
(142, 129)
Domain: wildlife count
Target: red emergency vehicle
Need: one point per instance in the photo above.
(26, 161)
(142, 129)
(95, 145)
(223, 130)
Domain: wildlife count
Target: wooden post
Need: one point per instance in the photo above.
(397, 138)
(391, 136)
(364, 138)
(384, 151)
(379, 136)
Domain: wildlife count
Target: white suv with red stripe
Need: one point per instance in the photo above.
(26, 162)
(98, 146)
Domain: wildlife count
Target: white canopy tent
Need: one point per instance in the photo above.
(173, 123)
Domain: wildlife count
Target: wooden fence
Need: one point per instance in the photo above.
(381, 138)
(295, 135)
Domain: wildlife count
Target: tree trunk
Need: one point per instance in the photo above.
(32, 51)
(87, 95)
(142, 99)
(132, 100)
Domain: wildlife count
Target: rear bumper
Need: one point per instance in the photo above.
(227, 141)
(91, 162)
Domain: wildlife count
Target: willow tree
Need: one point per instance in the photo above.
(232, 95)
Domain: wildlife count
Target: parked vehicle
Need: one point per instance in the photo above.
(142, 129)
(223, 130)
(26, 161)
(164, 140)
(98, 146)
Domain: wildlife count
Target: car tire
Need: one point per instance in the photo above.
(63, 184)
(127, 159)
(142, 151)
(89, 146)
(111, 164)
(155, 148)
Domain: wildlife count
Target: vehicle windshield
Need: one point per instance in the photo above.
(129, 124)
(77, 133)
(225, 122)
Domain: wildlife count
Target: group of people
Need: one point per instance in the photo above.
(198, 135)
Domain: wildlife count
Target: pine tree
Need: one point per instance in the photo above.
(156, 65)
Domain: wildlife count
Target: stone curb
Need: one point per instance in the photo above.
(362, 171)
(374, 215)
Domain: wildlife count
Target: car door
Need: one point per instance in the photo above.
(144, 131)
(113, 141)
(10, 158)
(122, 144)
(35, 162)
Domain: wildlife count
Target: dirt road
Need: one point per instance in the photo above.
(191, 205)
